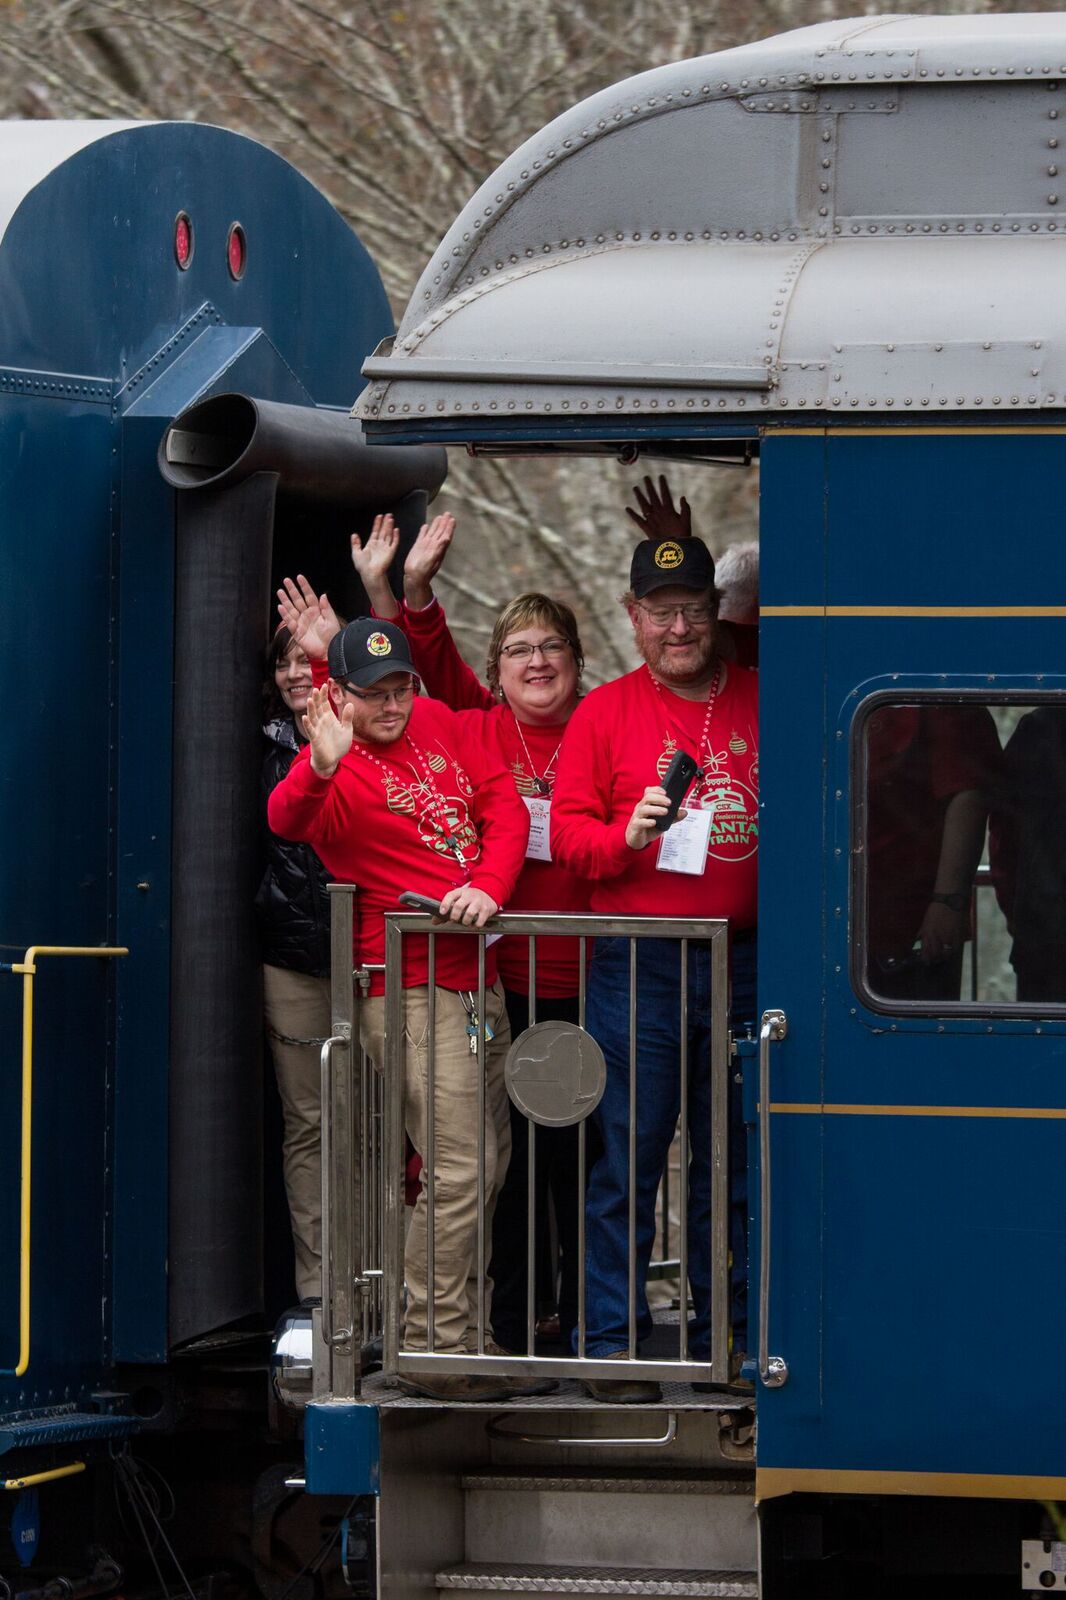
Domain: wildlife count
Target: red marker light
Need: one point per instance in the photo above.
(236, 251)
(183, 240)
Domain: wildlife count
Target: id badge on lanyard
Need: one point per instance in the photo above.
(540, 814)
(683, 848)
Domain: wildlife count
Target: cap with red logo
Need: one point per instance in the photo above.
(369, 649)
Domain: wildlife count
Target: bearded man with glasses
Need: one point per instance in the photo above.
(609, 802)
(394, 793)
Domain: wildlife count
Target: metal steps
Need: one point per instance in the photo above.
(672, 1529)
(512, 1577)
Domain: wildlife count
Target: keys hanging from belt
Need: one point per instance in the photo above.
(473, 1027)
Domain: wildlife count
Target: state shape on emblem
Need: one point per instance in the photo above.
(555, 1073)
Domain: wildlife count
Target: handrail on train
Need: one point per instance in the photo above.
(27, 968)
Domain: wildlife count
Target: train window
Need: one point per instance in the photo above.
(959, 855)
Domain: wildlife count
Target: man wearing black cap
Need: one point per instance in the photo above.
(394, 795)
(607, 803)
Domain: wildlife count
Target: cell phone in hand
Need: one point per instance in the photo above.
(677, 781)
(421, 902)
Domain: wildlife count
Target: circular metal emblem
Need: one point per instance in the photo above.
(555, 1073)
(378, 645)
(668, 554)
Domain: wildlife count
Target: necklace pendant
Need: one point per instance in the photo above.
(541, 786)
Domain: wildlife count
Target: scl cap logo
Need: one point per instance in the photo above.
(669, 554)
(378, 645)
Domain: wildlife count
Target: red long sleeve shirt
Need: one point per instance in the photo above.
(373, 824)
(542, 885)
(620, 741)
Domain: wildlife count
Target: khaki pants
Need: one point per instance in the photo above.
(298, 1007)
(455, 1298)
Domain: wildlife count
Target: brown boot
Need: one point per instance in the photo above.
(623, 1391)
(451, 1386)
(524, 1386)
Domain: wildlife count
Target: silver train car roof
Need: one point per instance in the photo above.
(859, 218)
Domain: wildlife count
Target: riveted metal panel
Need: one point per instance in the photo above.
(671, 192)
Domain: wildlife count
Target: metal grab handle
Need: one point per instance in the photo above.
(27, 968)
(495, 1431)
(326, 1091)
(773, 1370)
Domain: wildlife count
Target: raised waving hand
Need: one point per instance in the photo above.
(372, 560)
(330, 736)
(424, 560)
(658, 517)
(308, 616)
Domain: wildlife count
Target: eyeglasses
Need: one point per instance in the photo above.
(523, 652)
(662, 616)
(380, 697)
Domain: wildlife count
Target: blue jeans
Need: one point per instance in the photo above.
(658, 1107)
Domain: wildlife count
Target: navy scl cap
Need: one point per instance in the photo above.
(369, 649)
(658, 563)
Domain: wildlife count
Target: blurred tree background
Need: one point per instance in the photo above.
(397, 110)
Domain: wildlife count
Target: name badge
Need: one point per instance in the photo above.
(540, 814)
(683, 848)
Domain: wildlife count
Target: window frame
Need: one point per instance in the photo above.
(903, 694)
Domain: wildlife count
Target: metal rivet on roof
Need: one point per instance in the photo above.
(1010, 72)
(826, 136)
(978, 227)
(1015, 227)
(1014, 399)
(1052, 116)
(1053, 144)
(925, 400)
(826, 163)
(940, 72)
(823, 211)
(996, 226)
(1029, 71)
(927, 227)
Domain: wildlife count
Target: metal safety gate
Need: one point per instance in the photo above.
(363, 1159)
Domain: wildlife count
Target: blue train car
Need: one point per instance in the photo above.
(147, 270)
(841, 249)
(837, 251)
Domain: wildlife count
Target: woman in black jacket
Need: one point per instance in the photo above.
(293, 910)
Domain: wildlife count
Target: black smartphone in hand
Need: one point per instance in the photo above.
(677, 781)
(421, 902)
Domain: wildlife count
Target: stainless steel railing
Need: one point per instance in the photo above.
(363, 1157)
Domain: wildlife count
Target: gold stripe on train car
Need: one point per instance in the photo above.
(773, 1481)
(912, 611)
(813, 1109)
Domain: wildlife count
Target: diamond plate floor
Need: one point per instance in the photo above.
(569, 1396)
(520, 1578)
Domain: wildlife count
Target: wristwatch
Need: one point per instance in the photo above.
(956, 902)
